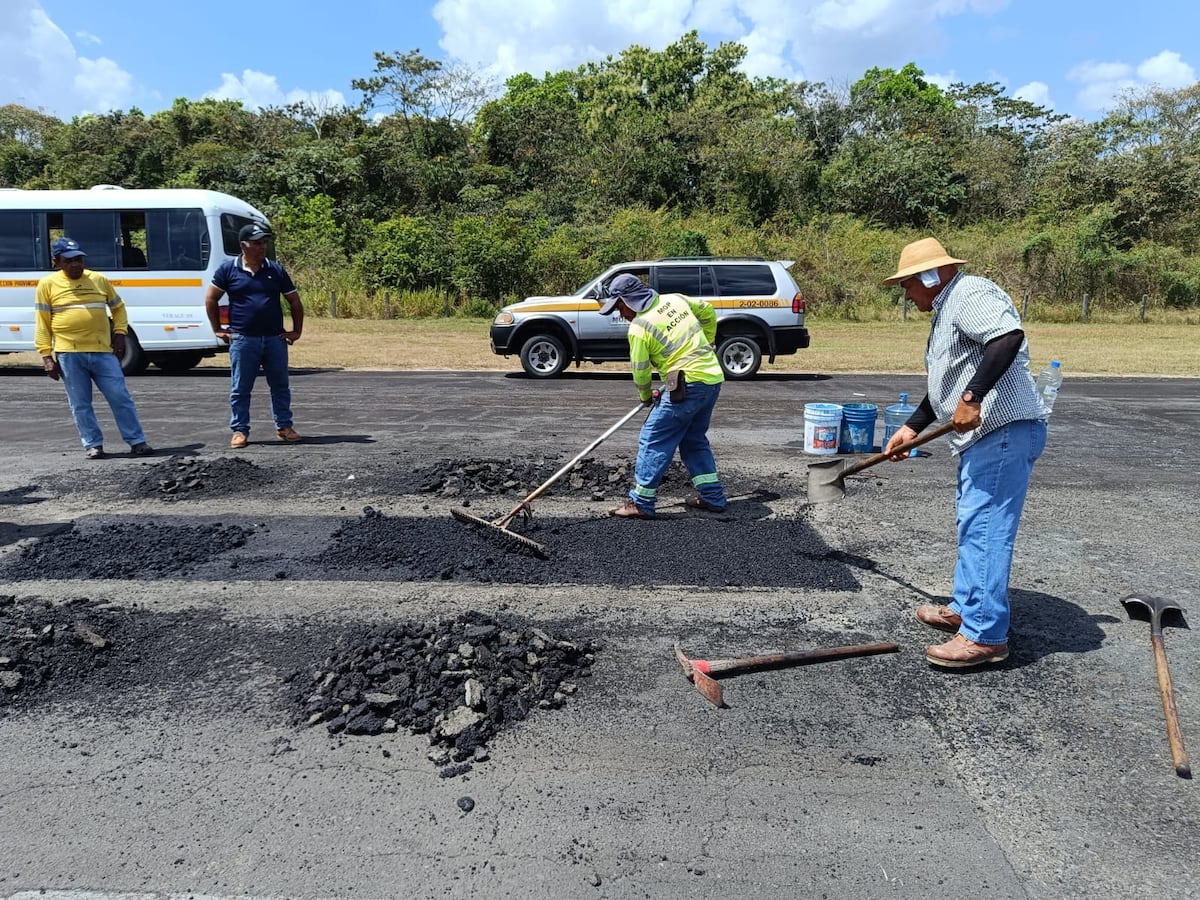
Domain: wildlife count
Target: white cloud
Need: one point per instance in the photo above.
(1036, 92)
(41, 68)
(257, 90)
(1167, 70)
(86, 37)
(1103, 83)
(816, 40)
(109, 86)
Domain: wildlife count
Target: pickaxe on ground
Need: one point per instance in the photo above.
(700, 671)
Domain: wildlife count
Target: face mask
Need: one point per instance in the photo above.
(930, 278)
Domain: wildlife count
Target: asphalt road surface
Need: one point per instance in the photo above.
(174, 766)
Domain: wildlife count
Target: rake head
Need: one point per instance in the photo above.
(509, 539)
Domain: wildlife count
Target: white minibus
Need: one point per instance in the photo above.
(158, 247)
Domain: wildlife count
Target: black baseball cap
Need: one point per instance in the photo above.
(254, 231)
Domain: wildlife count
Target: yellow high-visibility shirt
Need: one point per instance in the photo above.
(72, 316)
(674, 332)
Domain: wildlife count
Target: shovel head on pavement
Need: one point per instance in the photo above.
(827, 478)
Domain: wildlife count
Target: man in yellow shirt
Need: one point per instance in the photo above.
(673, 335)
(72, 309)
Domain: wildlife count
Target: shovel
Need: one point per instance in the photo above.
(1157, 606)
(700, 671)
(827, 478)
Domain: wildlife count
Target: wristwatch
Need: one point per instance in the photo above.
(971, 397)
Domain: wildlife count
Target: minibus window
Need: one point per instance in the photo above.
(18, 244)
(175, 239)
(97, 233)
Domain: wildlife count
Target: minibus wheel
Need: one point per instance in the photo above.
(134, 361)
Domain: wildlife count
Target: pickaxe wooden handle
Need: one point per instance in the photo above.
(782, 660)
(699, 671)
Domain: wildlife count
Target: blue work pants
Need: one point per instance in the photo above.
(993, 476)
(248, 354)
(79, 372)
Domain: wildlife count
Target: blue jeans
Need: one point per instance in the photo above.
(247, 354)
(993, 476)
(683, 427)
(79, 370)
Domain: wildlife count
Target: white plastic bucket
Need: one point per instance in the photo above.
(822, 422)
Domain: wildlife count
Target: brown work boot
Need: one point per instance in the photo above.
(630, 510)
(942, 618)
(288, 434)
(238, 440)
(961, 653)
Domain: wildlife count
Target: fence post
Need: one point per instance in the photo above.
(387, 304)
(1143, 307)
(904, 315)
(1025, 306)
(1085, 307)
(333, 304)
(445, 306)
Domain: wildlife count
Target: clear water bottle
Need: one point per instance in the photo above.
(1048, 383)
(894, 417)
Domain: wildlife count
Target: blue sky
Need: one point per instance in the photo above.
(69, 57)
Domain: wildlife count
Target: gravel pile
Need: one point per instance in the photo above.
(180, 476)
(41, 642)
(459, 681)
(481, 477)
(123, 550)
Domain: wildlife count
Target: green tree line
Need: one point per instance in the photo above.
(442, 191)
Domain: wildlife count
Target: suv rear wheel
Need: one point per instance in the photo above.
(740, 357)
(543, 356)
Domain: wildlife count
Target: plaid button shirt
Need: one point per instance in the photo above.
(967, 313)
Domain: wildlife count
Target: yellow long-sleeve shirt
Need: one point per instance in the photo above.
(72, 315)
(674, 332)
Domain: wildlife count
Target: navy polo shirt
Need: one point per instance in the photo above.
(255, 299)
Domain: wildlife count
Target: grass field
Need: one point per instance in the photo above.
(894, 347)
(837, 346)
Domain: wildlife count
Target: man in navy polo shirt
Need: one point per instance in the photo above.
(255, 331)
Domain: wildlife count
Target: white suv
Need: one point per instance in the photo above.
(760, 311)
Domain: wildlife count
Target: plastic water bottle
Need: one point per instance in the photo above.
(894, 417)
(1048, 383)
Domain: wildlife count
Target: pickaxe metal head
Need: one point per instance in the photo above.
(696, 671)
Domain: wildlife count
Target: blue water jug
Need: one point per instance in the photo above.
(894, 417)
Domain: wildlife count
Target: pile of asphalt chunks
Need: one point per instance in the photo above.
(462, 478)
(460, 681)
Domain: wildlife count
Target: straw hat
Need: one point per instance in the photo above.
(921, 256)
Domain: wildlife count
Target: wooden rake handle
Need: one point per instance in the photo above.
(1167, 690)
(796, 658)
(545, 485)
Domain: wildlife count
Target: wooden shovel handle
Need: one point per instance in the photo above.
(876, 458)
(796, 658)
(1167, 690)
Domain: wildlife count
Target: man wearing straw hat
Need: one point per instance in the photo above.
(977, 364)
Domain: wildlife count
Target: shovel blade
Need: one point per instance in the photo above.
(827, 481)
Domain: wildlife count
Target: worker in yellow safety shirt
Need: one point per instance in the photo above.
(673, 335)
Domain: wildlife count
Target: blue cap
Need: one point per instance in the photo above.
(66, 248)
(637, 296)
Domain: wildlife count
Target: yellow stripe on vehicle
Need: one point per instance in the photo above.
(156, 282)
(116, 282)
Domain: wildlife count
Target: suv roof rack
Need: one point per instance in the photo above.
(706, 258)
